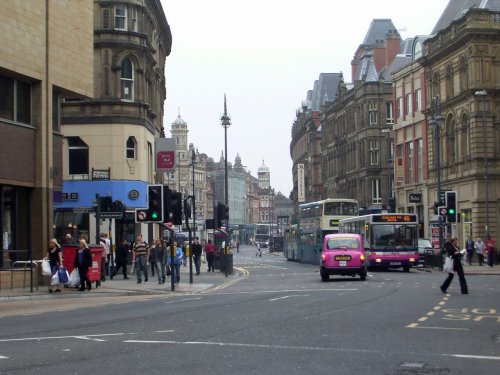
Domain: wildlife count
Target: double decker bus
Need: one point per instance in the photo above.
(262, 234)
(317, 219)
(391, 240)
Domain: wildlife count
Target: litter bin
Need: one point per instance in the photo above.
(229, 257)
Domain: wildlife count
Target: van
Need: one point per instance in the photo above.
(343, 254)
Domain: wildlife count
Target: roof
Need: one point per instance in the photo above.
(325, 89)
(378, 31)
(457, 8)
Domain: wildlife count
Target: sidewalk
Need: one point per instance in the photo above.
(470, 270)
(120, 287)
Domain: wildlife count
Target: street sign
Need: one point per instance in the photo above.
(83, 210)
(442, 210)
(111, 215)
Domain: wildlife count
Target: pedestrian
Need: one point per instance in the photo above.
(140, 256)
(151, 258)
(68, 240)
(197, 251)
(175, 268)
(237, 246)
(469, 247)
(83, 261)
(106, 254)
(158, 251)
(184, 253)
(479, 248)
(54, 256)
(210, 255)
(453, 252)
(121, 258)
(490, 250)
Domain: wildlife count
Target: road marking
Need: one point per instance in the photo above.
(85, 337)
(285, 297)
(184, 300)
(416, 325)
(88, 338)
(474, 356)
(167, 331)
(3, 357)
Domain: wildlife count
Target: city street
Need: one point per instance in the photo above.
(275, 317)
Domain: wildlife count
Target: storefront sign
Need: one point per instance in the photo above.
(101, 174)
(415, 198)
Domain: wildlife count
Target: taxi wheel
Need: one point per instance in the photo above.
(363, 276)
(325, 277)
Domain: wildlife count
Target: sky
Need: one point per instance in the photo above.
(264, 55)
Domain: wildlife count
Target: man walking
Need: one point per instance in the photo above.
(197, 250)
(469, 246)
(140, 256)
(479, 247)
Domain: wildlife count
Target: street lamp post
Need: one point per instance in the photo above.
(435, 122)
(193, 199)
(484, 94)
(225, 121)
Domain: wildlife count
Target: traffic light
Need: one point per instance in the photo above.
(187, 208)
(155, 203)
(219, 214)
(451, 206)
(106, 204)
(226, 213)
(174, 207)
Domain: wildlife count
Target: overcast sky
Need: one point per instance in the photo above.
(265, 55)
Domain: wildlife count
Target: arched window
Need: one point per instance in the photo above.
(449, 82)
(435, 84)
(465, 144)
(127, 80)
(464, 75)
(131, 149)
(452, 142)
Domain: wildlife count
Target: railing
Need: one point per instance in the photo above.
(20, 261)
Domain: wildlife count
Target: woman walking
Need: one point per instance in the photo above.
(83, 261)
(453, 252)
(54, 255)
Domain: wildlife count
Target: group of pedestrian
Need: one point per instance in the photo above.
(482, 250)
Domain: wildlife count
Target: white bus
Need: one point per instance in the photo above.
(391, 240)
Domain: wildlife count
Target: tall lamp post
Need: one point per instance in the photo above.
(225, 121)
(193, 199)
(436, 121)
(483, 94)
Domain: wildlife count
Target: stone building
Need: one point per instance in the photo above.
(356, 147)
(109, 141)
(46, 58)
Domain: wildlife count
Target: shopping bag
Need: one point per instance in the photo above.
(448, 265)
(55, 279)
(63, 275)
(74, 278)
(46, 271)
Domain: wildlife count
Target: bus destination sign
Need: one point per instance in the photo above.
(405, 218)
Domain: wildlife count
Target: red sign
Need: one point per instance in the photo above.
(165, 160)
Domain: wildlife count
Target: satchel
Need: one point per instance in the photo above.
(448, 265)
(46, 271)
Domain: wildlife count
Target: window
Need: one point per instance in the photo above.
(464, 75)
(400, 107)
(127, 80)
(131, 148)
(389, 115)
(418, 100)
(133, 19)
(408, 105)
(376, 199)
(372, 113)
(452, 149)
(409, 162)
(449, 82)
(121, 17)
(373, 151)
(15, 100)
(466, 137)
(420, 161)
(78, 159)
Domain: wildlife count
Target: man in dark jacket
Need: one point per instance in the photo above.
(197, 250)
(121, 258)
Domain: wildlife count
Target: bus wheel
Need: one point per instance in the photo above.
(406, 268)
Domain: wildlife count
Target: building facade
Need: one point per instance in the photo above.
(109, 141)
(46, 58)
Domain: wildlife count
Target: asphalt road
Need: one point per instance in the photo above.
(278, 318)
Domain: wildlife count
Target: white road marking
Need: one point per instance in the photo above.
(474, 356)
(183, 300)
(415, 325)
(167, 331)
(291, 295)
(84, 337)
(2, 357)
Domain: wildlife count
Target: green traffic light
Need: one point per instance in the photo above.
(154, 215)
(451, 211)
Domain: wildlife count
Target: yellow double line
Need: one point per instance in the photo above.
(243, 274)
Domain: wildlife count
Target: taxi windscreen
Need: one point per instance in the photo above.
(342, 243)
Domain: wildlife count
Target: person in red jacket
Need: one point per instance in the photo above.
(210, 250)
